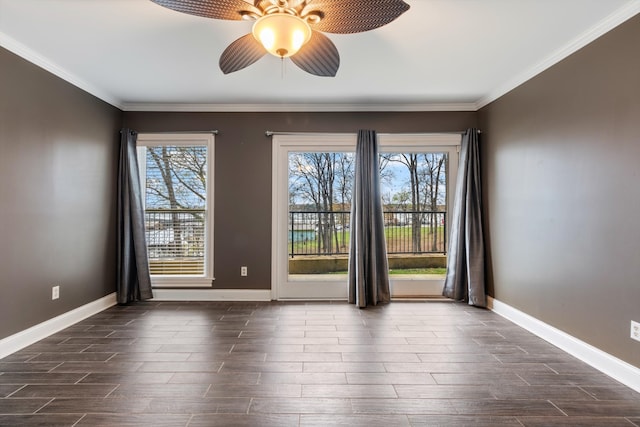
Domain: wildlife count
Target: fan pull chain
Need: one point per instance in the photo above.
(282, 68)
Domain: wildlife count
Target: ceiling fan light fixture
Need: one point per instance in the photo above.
(281, 34)
(283, 28)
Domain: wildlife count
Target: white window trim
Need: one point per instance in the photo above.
(177, 139)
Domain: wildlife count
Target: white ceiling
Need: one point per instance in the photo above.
(439, 55)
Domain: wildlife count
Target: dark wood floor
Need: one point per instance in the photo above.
(304, 364)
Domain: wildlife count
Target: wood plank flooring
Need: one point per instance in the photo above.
(304, 364)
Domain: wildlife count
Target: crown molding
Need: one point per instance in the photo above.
(30, 55)
(338, 107)
(621, 15)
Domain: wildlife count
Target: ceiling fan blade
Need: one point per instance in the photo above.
(240, 54)
(354, 16)
(319, 56)
(218, 9)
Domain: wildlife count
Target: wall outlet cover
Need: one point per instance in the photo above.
(635, 330)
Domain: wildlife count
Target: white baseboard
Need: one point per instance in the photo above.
(25, 338)
(617, 369)
(212, 295)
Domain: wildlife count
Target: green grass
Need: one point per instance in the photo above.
(434, 270)
(398, 272)
(395, 235)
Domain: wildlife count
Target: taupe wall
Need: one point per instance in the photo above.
(58, 159)
(242, 234)
(561, 161)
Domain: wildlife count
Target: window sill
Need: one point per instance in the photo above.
(181, 282)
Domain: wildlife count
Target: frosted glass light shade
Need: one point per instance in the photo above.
(281, 34)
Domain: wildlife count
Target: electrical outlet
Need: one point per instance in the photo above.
(55, 292)
(243, 271)
(635, 330)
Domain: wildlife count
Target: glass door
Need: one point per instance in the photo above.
(313, 179)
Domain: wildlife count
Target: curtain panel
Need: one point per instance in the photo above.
(133, 279)
(368, 265)
(465, 279)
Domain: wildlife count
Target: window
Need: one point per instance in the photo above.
(175, 173)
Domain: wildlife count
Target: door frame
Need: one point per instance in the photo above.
(282, 144)
(281, 286)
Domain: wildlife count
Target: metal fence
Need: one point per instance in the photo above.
(327, 232)
(175, 240)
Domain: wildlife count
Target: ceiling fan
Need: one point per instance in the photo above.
(292, 28)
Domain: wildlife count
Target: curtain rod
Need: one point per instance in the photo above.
(215, 132)
(271, 133)
(454, 132)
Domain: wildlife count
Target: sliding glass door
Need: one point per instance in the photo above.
(313, 179)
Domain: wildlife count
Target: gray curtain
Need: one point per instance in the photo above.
(368, 265)
(133, 280)
(465, 279)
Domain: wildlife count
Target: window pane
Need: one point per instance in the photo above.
(176, 177)
(175, 209)
(320, 186)
(414, 194)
